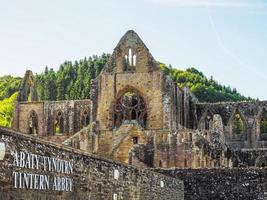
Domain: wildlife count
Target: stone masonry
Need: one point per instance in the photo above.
(91, 177)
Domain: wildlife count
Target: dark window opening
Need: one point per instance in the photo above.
(160, 163)
(59, 124)
(85, 119)
(238, 124)
(135, 140)
(33, 124)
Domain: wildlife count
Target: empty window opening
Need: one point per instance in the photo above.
(135, 140)
(160, 164)
(59, 124)
(130, 61)
(33, 124)
(85, 119)
(238, 124)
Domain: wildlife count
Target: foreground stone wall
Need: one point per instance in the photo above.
(222, 184)
(88, 176)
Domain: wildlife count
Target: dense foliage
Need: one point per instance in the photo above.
(72, 81)
(6, 110)
(206, 90)
(8, 86)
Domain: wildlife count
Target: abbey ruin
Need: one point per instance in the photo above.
(138, 116)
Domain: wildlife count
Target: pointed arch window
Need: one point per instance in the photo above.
(130, 107)
(33, 124)
(238, 126)
(130, 61)
(85, 119)
(59, 124)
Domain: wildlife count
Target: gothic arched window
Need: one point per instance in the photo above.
(238, 126)
(85, 119)
(130, 61)
(33, 124)
(59, 123)
(130, 107)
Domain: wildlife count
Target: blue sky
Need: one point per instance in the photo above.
(226, 39)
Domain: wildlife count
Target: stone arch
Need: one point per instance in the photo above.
(84, 118)
(33, 123)
(238, 126)
(59, 123)
(129, 106)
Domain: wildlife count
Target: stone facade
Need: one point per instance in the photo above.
(91, 177)
(138, 115)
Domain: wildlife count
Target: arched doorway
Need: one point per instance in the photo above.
(238, 126)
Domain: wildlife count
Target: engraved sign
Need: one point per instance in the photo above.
(39, 172)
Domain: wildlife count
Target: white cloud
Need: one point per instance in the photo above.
(220, 3)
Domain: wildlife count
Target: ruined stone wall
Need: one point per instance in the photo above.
(222, 184)
(46, 113)
(168, 106)
(24, 111)
(189, 149)
(179, 106)
(92, 177)
(112, 86)
(251, 115)
(70, 111)
(172, 149)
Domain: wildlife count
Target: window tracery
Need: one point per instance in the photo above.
(130, 107)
